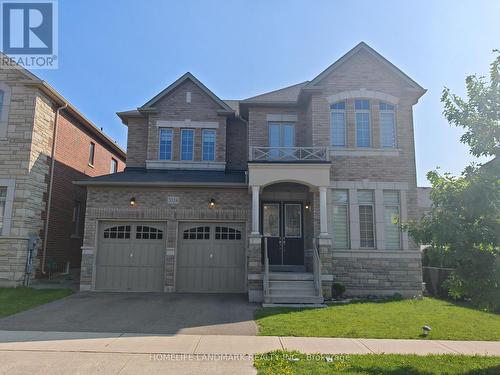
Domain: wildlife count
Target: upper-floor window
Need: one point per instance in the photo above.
(113, 168)
(165, 144)
(208, 144)
(281, 139)
(91, 153)
(187, 144)
(338, 124)
(366, 219)
(387, 125)
(363, 127)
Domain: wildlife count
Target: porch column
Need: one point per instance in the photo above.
(255, 209)
(323, 225)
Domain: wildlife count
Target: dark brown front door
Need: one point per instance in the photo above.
(281, 224)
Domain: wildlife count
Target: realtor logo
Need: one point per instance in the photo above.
(29, 33)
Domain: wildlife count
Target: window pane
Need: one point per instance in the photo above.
(363, 137)
(366, 226)
(387, 129)
(288, 135)
(91, 153)
(363, 104)
(208, 144)
(274, 135)
(339, 105)
(338, 128)
(340, 227)
(271, 220)
(365, 196)
(386, 107)
(114, 166)
(392, 232)
(187, 142)
(3, 196)
(292, 220)
(165, 144)
(339, 196)
(1, 102)
(391, 198)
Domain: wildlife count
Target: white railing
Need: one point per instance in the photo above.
(266, 271)
(317, 269)
(290, 154)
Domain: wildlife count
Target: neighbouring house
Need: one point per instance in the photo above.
(278, 196)
(38, 199)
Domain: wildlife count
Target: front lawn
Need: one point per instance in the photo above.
(14, 300)
(280, 362)
(392, 319)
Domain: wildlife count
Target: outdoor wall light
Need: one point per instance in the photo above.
(426, 330)
(307, 206)
(212, 203)
(132, 201)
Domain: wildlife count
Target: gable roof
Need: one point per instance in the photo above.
(178, 82)
(286, 94)
(378, 56)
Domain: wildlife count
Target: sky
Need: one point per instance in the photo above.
(116, 55)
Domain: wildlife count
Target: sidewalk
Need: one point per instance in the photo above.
(106, 343)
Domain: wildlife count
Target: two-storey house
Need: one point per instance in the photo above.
(278, 195)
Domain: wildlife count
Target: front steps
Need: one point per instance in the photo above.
(292, 288)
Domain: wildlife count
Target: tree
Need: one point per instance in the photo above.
(463, 223)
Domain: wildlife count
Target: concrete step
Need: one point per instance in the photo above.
(283, 276)
(296, 284)
(298, 299)
(293, 291)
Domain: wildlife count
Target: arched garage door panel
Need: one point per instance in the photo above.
(211, 257)
(130, 257)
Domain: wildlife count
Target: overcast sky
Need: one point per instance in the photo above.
(116, 55)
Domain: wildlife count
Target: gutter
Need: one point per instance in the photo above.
(51, 183)
(237, 185)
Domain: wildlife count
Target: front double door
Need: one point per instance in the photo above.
(282, 227)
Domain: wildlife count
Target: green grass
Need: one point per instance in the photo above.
(14, 300)
(392, 319)
(280, 362)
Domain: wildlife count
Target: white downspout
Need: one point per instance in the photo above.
(51, 182)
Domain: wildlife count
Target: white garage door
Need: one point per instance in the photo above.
(130, 256)
(211, 257)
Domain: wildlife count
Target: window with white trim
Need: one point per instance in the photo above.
(3, 200)
(113, 168)
(340, 219)
(391, 220)
(208, 144)
(363, 127)
(338, 125)
(165, 144)
(387, 125)
(187, 144)
(366, 219)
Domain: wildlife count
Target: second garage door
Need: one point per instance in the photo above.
(130, 257)
(211, 257)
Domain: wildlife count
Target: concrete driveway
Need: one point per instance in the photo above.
(159, 313)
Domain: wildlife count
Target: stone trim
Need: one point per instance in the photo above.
(365, 152)
(177, 164)
(4, 118)
(9, 200)
(191, 214)
(369, 185)
(187, 123)
(362, 93)
(281, 118)
(374, 254)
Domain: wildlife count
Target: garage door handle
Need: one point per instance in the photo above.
(211, 256)
(131, 255)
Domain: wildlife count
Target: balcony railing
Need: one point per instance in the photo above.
(290, 154)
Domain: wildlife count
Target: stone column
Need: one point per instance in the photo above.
(255, 210)
(326, 257)
(254, 268)
(323, 221)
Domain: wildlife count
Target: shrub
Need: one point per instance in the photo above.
(338, 290)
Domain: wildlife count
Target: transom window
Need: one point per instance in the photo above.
(187, 144)
(227, 233)
(144, 232)
(387, 125)
(165, 144)
(363, 127)
(121, 231)
(338, 124)
(197, 233)
(208, 144)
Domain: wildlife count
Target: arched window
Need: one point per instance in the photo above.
(120, 232)
(338, 125)
(387, 125)
(227, 233)
(197, 233)
(144, 232)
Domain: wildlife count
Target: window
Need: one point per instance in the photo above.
(366, 222)
(77, 212)
(2, 94)
(391, 220)
(3, 199)
(144, 232)
(293, 220)
(165, 144)
(226, 233)
(340, 219)
(187, 143)
(91, 153)
(363, 131)
(197, 233)
(208, 139)
(337, 123)
(114, 166)
(281, 139)
(387, 125)
(120, 232)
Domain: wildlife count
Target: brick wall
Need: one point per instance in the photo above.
(237, 145)
(137, 142)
